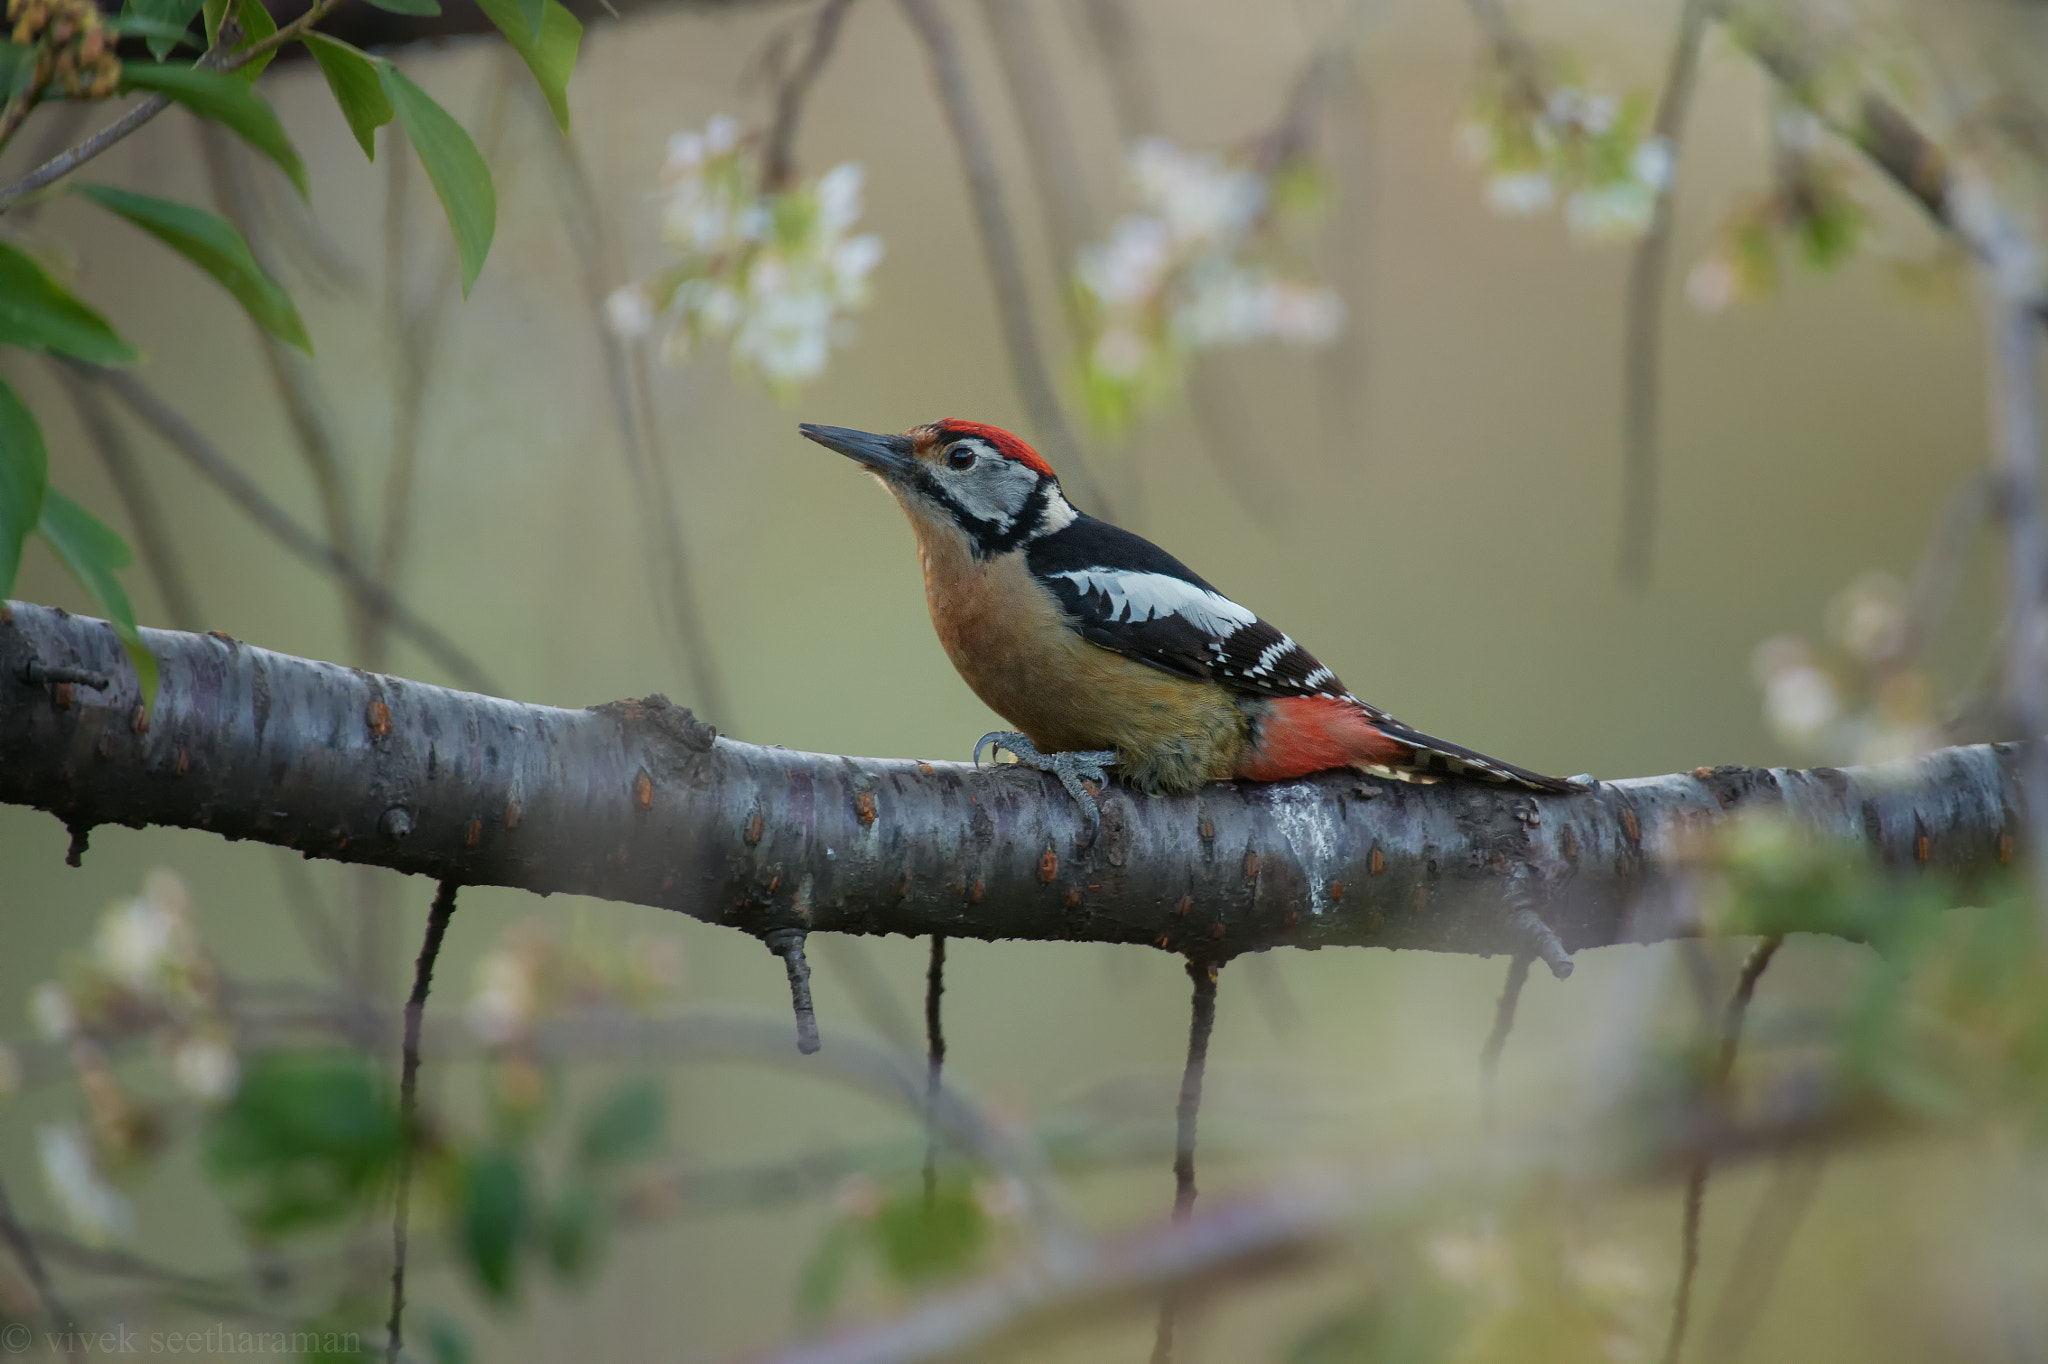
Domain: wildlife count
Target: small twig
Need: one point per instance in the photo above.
(778, 160)
(417, 337)
(25, 1253)
(788, 944)
(1642, 334)
(294, 377)
(36, 673)
(935, 1061)
(595, 242)
(1201, 1021)
(1718, 1081)
(1497, 1040)
(62, 164)
(408, 1103)
(1131, 92)
(2016, 428)
(1762, 1252)
(145, 517)
(185, 438)
(1048, 141)
(999, 246)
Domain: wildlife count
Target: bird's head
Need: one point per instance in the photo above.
(990, 485)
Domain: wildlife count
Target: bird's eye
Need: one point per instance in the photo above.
(960, 457)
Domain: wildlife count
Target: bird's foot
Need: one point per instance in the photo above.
(1072, 768)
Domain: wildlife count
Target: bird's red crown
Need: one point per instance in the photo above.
(1007, 445)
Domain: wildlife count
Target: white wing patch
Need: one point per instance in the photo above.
(1270, 655)
(1137, 597)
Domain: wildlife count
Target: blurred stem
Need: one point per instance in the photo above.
(1719, 1083)
(442, 911)
(292, 374)
(594, 240)
(416, 343)
(1497, 1040)
(185, 438)
(1114, 30)
(1761, 1255)
(999, 245)
(1048, 141)
(1201, 1022)
(854, 966)
(32, 1267)
(138, 499)
(2016, 428)
(1643, 333)
(778, 161)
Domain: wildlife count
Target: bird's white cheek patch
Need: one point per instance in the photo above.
(993, 492)
(1136, 597)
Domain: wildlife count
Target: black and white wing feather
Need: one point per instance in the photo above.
(1127, 594)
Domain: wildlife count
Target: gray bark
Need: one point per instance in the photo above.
(639, 801)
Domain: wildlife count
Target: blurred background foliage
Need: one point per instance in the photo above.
(1284, 289)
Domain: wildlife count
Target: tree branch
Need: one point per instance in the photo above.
(640, 802)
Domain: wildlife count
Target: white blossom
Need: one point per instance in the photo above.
(505, 998)
(206, 1067)
(1520, 194)
(1712, 283)
(630, 310)
(51, 1010)
(97, 1211)
(1801, 704)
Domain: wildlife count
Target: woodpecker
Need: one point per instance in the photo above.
(1104, 650)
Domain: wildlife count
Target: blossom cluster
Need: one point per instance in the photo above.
(1584, 147)
(1864, 700)
(772, 269)
(1178, 277)
(1809, 207)
(149, 977)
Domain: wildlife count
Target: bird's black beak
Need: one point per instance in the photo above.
(889, 456)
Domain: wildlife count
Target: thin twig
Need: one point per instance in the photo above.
(408, 1103)
(293, 376)
(999, 246)
(183, 437)
(1497, 1040)
(25, 1253)
(594, 241)
(2016, 428)
(145, 516)
(1717, 1087)
(1131, 92)
(778, 159)
(1048, 141)
(1643, 335)
(1761, 1255)
(69, 160)
(1201, 1021)
(935, 1061)
(417, 343)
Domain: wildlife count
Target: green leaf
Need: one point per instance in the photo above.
(216, 12)
(169, 19)
(212, 244)
(447, 1341)
(825, 1273)
(926, 1236)
(38, 312)
(94, 553)
(460, 177)
(226, 99)
(546, 36)
(626, 1125)
(256, 26)
(575, 1233)
(305, 1141)
(493, 1217)
(17, 69)
(352, 79)
(140, 26)
(24, 474)
(427, 8)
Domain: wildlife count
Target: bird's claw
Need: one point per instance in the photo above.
(1072, 768)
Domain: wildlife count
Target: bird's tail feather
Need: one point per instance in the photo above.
(1434, 758)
